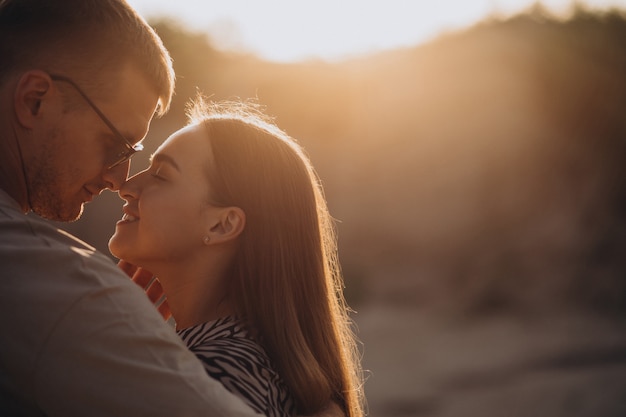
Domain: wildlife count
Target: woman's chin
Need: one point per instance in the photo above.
(117, 249)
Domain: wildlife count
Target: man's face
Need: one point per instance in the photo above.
(69, 164)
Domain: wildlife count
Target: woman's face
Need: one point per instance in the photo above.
(166, 214)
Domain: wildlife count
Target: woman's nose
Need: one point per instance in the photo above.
(130, 188)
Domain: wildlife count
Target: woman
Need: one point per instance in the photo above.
(231, 218)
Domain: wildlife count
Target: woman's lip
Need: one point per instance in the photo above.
(124, 222)
(129, 218)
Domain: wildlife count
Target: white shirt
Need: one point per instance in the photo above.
(79, 338)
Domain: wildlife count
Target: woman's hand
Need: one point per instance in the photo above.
(150, 284)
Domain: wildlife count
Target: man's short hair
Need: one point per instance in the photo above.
(85, 39)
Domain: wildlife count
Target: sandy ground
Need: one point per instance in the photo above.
(563, 365)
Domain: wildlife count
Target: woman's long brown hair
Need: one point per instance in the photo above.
(286, 281)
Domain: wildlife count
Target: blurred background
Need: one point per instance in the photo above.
(474, 156)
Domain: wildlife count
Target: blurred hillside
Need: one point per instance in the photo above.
(484, 172)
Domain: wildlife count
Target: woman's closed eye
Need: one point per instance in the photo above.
(157, 172)
(163, 167)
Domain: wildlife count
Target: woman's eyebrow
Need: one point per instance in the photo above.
(161, 157)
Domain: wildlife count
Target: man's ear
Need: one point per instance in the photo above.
(228, 225)
(31, 89)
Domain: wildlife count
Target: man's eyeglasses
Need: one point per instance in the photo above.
(129, 149)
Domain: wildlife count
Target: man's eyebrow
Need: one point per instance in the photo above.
(161, 157)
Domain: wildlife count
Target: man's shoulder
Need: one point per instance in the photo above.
(37, 255)
(22, 234)
(30, 230)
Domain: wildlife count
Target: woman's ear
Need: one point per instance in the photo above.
(31, 88)
(229, 225)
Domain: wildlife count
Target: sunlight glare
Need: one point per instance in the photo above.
(282, 30)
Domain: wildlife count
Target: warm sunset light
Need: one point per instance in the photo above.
(283, 30)
(472, 153)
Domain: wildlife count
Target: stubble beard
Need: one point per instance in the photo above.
(46, 185)
(51, 205)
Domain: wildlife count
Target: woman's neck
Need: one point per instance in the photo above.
(194, 295)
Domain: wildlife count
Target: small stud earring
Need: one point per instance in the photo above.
(206, 240)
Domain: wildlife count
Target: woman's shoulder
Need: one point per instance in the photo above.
(222, 339)
(223, 331)
(234, 358)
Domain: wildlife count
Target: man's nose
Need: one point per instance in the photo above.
(116, 176)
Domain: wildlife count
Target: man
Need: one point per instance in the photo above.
(79, 83)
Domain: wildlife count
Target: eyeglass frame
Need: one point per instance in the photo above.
(130, 149)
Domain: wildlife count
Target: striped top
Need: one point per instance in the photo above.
(230, 355)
